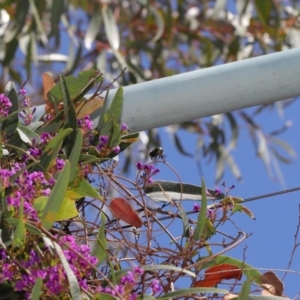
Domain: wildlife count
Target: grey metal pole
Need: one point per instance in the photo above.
(211, 91)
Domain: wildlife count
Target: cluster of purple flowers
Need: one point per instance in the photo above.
(5, 105)
(48, 268)
(85, 124)
(149, 171)
(28, 186)
(127, 284)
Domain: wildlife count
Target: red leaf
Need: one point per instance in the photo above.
(124, 211)
(215, 274)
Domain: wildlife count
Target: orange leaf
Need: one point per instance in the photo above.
(48, 84)
(124, 211)
(84, 108)
(215, 274)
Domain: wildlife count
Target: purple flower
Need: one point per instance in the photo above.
(116, 149)
(133, 296)
(4, 177)
(22, 91)
(60, 163)
(128, 279)
(5, 104)
(103, 141)
(155, 286)
(149, 171)
(7, 272)
(217, 192)
(35, 152)
(85, 123)
(138, 271)
(124, 127)
(196, 207)
(45, 137)
(140, 165)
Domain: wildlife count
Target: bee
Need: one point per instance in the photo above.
(157, 152)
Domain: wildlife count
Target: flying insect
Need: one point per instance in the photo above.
(156, 152)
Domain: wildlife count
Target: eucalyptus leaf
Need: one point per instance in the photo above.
(111, 27)
(187, 292)
(93, 28)
(166, 191)
(168, 267)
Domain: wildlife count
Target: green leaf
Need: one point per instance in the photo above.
(159, 22)
(179, 146)
(115, 136)
(84, 189)
(114, 112)
(247, 270)
(37, 289)
(103, 110)
(31, 228)
(19, 233)
(21, 12)
(67, 209)
(234, 131)
(27, 135)
(245, 290)
(75, 154)
(146, 297)
(56, 197)
(111, 27)
(202, 216)
(74, 58)
(87, 159)
(51, 150)
(57, 10)
(79, 86)
(100, 246)
(263, 9)
(185, 221)
(186, 292)
(38, 22)
(93, 28)
(168, 267)
(1, 156)
(127, 140)
(105, 296)
(69, 116)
